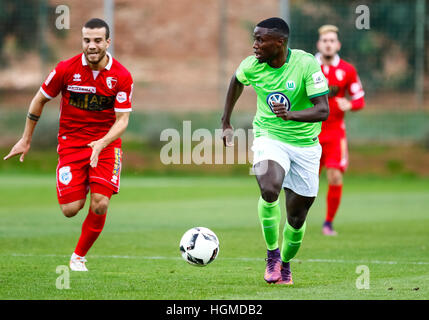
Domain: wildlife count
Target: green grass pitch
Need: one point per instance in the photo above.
(382, 223)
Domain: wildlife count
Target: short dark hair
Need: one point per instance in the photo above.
(278, 25)
(96, 23)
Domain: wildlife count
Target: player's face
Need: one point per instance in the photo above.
(328, 44)
(266, 46)
(94, 44)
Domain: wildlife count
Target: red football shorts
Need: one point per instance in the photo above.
(75, 177)
(334, 153)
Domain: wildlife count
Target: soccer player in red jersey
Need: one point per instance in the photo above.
(95, 107)
(342, 79)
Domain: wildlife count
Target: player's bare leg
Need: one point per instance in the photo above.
(270, 175)
(99, 203)
(333, 199)
(77, 263)
(71, 209)
(91, 229)
(297, 207)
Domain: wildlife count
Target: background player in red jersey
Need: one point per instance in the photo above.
(342, 79)
(95, 106)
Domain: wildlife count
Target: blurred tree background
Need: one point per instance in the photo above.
(23, 25)
(384, 54)
(182, 54)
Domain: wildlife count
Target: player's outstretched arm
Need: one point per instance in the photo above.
(114, 133)
(33, 115)
(319, 112)
(234, 92)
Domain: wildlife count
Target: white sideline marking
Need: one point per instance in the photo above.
(237, 259)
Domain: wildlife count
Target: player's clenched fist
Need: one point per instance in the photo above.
(343, 103)
(21, 147)
(280, 111)
(228, 135)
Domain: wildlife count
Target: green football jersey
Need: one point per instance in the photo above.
(293, 84)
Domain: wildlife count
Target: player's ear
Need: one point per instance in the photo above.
(318, 45)
(108, 43)
(339, 45)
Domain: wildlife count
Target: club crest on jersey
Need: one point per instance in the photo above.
(111, 82)
(279, 98)
(64, 175)
(339, 74)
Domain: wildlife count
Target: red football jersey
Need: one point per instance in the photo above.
(342, 78)
(89, 99)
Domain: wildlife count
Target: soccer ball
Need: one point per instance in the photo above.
(199, 246)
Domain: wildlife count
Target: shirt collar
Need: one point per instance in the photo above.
(335, 61)
(108, 65)
(289, 53)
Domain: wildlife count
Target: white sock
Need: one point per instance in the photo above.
(74, 256)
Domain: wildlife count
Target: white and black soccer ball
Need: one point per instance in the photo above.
(199, 246)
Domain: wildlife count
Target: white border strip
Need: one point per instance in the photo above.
(45, 94)
(123, 110)
(235, 259)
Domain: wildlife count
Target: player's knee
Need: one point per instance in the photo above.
(72, 207)
(270, 192)
(335, 177)
(99, 204)
(297, 221)
(70, 211)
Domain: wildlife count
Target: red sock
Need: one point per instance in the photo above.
(333, 200)
(91, 229)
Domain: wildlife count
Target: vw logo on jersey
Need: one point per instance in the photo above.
(279, 98)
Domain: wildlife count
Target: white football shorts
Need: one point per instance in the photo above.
(301, 164)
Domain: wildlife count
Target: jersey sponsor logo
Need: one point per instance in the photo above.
(121, 96)
(49, 78)
(290, 85)
(111, 82)
(318, 79)
(90, 101)
(64, 175)
(117, 165)
(279, 98)
(76, 77)
(81, 89)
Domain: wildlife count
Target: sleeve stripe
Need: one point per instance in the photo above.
(318, 94)
(45, 94)
(123, 110)
(358, 95)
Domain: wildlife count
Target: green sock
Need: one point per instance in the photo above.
(292, 239)
(270, 215)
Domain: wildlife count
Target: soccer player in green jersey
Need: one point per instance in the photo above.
(291, 103)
